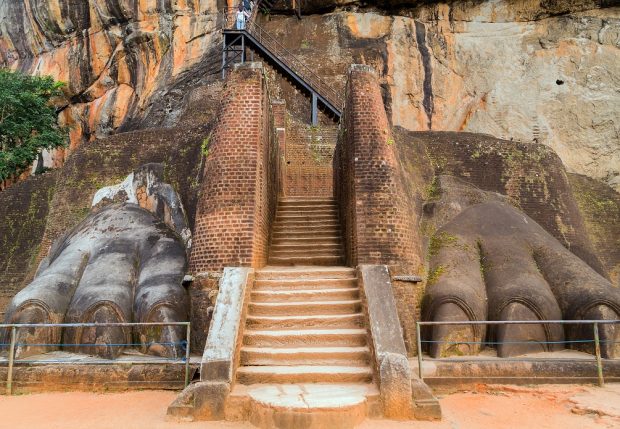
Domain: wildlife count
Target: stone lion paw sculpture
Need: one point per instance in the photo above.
(124, 263)
(492, 262)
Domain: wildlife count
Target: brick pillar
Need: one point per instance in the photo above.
(278, 108)
(375, 212)
(238, 195)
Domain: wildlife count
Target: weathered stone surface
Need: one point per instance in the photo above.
(123, 263)
(225, 330)
(531, 71)
(114, 56)
(201, 401)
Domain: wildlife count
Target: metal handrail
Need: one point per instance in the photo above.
(15, 326)
(595, 324)
(278, 50)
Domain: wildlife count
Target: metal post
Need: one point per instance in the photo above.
(315, 113)
(188, 339)
(224, 59)
(242, 49)
(419, 340)
(597, 349)
(9, 378)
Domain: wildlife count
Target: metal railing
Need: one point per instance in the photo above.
(595, 340)
(13, 344)
(271, 44)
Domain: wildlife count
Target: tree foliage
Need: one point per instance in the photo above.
(28, 120)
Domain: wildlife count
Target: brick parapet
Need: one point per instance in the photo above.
(376, 216)
(239, 188)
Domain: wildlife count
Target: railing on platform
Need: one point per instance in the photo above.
(287, 57)
(13, 344)
(594, 340)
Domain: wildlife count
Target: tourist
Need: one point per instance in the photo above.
(241, 15)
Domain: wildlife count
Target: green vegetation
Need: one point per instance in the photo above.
(28, 120)
(440, 240)
(434, 275)
(204, 148)
(433, 190)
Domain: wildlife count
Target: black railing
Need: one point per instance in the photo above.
(271, 44)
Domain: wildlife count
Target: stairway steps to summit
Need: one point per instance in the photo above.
(305, 337)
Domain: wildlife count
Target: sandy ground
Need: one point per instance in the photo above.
(497, 407)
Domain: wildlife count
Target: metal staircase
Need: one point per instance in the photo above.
(256, 39)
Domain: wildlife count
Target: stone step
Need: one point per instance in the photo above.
(332, 321)
(305, 295)
(308, 272)
(303, 374)
(299, 308)
(287, 202)
(298, 247)
(319, 233)
(306, 216)
(306, 260)
(310, 222)
(308, 406)
(307, 253)
(304, 283)
(305, 338)
(308, 208)
(350, 356)
(306, 241)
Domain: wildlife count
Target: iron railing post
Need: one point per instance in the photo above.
(419, 341)
(187, 354)
(9, 377)
(597, 350)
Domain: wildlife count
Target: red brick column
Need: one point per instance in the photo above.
(239, 189)
(377, 218)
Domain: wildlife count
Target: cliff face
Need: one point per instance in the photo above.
(541, 71)
(116, 56)
(532, 71)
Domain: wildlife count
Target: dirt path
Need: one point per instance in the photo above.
(497, 407)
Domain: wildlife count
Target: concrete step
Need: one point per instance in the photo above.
(303, 374)
(303, 273)
(331, 321)
(349, 356)
(314, 216)
(304, 283)
(306, 260)
(305, 295)
(305, 338)
(300, 308)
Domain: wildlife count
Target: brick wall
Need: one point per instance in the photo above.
(309, 153)
(239, 189)
(375, 211)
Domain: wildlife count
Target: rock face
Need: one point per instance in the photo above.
(114, 55)
(531, 71)
(534, 71)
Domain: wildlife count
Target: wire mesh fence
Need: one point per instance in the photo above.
(595, 341)
(20, 348)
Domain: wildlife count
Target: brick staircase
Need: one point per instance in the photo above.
(306, 232)
(305, 356)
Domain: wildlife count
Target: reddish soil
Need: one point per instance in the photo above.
(497, 407)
